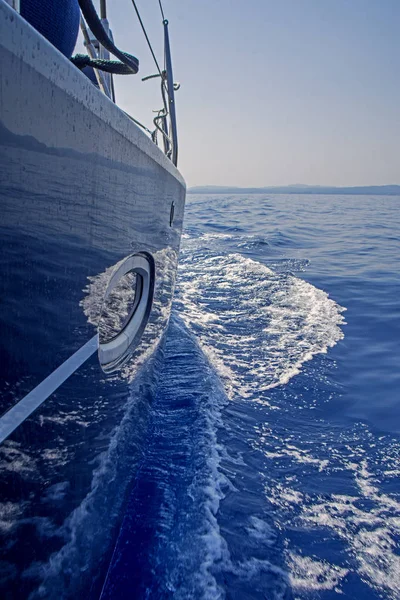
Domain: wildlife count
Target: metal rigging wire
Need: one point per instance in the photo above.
(147, 38)
(161, 8)
(167, 86)
(164, 22)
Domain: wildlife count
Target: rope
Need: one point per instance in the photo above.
(109, 66)
(92, 19)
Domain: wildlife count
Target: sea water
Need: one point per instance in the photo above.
(272, 459)
(263, 462)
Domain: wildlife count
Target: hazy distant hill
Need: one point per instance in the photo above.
(381, 190)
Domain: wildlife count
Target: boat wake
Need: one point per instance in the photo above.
(304, 505)
(257, 327)
(240, 331)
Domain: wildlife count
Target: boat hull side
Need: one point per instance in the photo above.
(79, 193)
(82, 189)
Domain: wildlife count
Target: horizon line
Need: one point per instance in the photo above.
(295, 185)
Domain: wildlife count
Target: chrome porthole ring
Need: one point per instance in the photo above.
(115, 347)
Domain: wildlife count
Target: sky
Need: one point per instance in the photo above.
(273, 92)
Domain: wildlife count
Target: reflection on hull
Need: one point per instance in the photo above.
(81, 190)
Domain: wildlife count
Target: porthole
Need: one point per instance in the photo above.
(126, 309)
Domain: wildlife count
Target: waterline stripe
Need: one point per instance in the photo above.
(25, 407)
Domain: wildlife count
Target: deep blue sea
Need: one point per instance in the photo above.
(256, 454)
(272, 460)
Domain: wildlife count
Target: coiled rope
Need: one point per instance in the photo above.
(127, 64)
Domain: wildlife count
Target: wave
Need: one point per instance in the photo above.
(239, 330)
(359, 511)
(256, 326)
(186, 552)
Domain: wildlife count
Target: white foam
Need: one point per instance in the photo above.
(261, 531)
(256, 327)
(370, 536)
(284, 496)
(253, 568)
(10, 512)
(368, 522)
(92, 304)
(17, 459)
(366, 519)
(56, 492)
(308, 574)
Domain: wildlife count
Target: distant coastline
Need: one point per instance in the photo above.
(381, 190)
